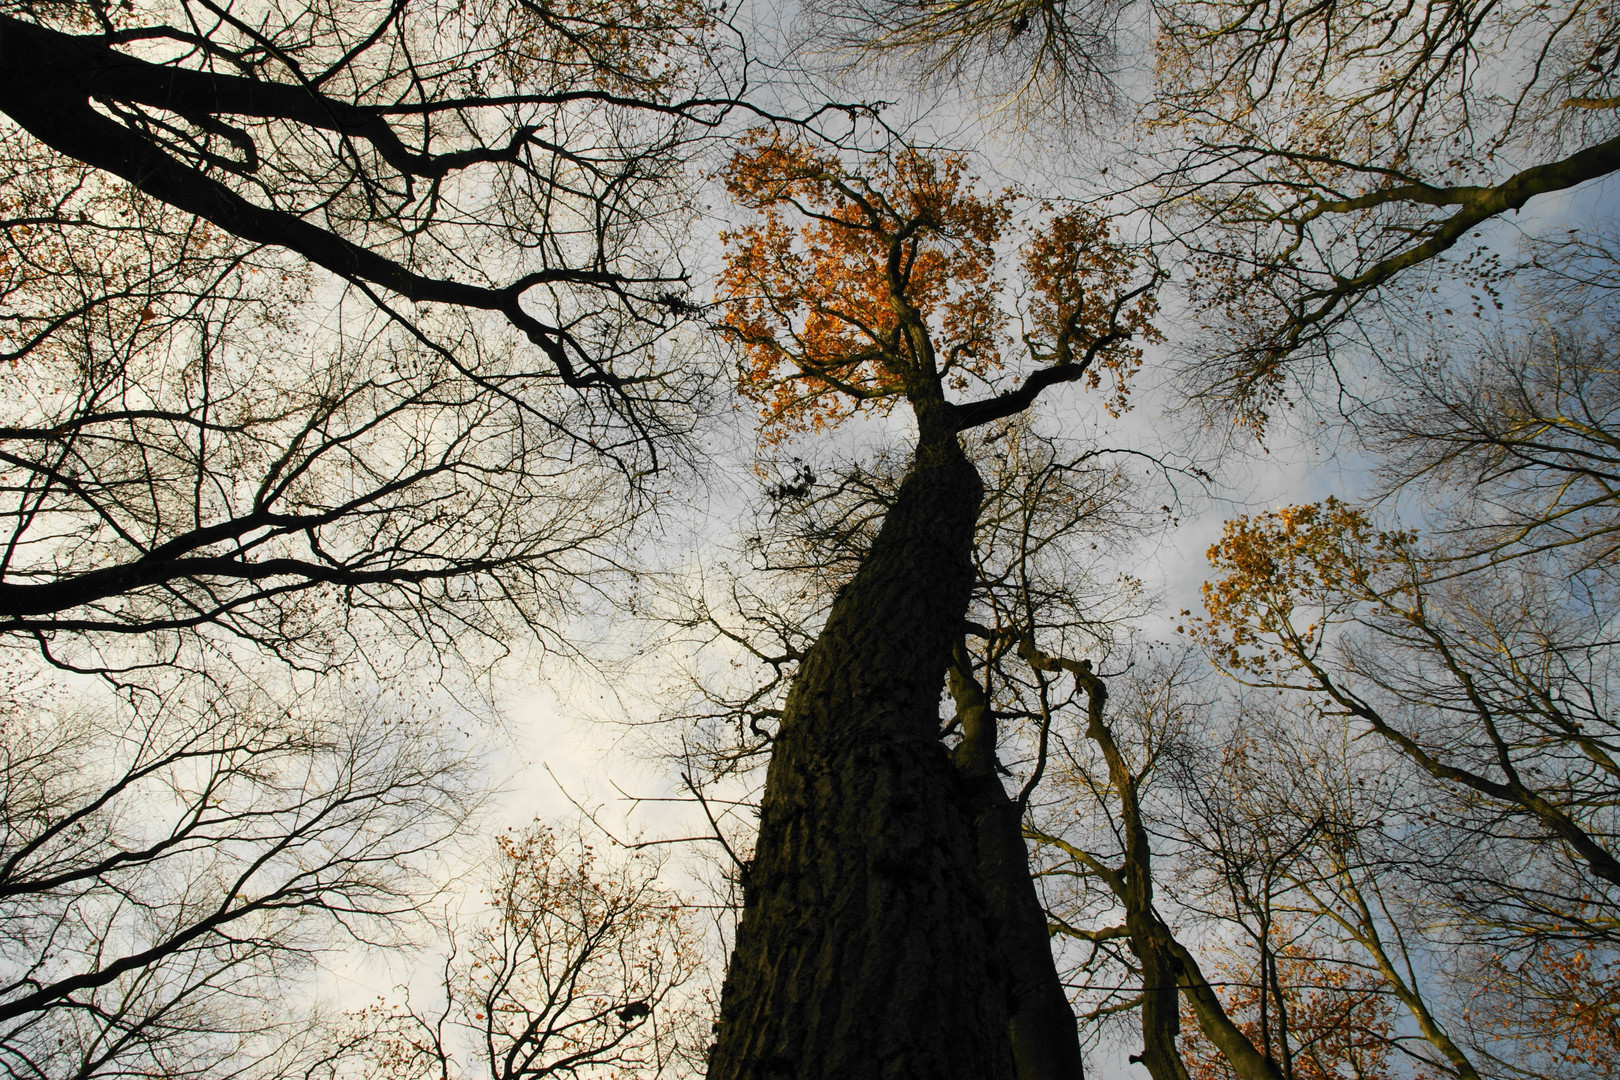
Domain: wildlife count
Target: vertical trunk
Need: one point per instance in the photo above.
(1045, 1040)
(1161, 1004)
(1042, 1028)
(1365, 931)
(1132, 883)
(1166, 963)
(864, 949)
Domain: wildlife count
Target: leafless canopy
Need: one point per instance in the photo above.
(1040, 56)
(168, 862)
(1313, 154)
(355, 306)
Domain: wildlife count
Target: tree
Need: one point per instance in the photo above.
(1479, 654)
(1497, 696)
(166, 864)
(885, 295)
(1167, 971)
(733, 639)
(1330, 150)
(1338, 1021)
(1041, 60)
(1314, 853)
(1306, 155)
(861, 945)
(359, 303)
(578, 968)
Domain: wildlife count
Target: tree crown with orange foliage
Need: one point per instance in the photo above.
(859, 286)
(1279, 568)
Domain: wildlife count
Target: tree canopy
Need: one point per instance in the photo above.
(356, 346)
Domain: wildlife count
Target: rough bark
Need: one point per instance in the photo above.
(1041, 1025)
(864, 948)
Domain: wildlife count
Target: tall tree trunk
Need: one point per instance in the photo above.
(1045, 1038)
(1160, 964)
(1167, 966)
(864, 948)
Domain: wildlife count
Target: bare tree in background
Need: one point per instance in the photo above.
(1321, 153)
(1038, 58)
(166, 864)
(581, 966)
(1319, 860)
(1495, 686)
